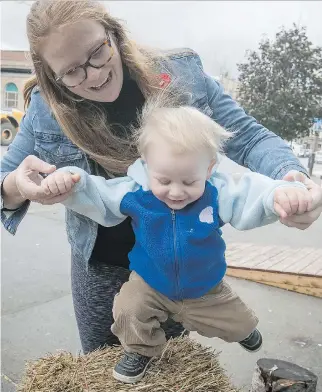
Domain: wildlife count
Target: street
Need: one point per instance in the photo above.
(37, 311)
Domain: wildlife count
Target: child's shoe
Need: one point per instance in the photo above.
(131, 368)
(253, 342)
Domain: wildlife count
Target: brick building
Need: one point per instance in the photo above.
(16, 69)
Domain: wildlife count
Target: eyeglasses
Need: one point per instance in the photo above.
(100, 57)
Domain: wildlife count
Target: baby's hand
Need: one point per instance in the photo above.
(59, 183)
(291, 200)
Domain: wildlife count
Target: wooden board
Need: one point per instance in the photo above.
(295, 269)
(310, 285)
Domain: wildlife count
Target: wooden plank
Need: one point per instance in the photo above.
(270, 263)
(301, 260)
(295, 269)
(314, 267)
(234, 254)
(264, 254)
(287, 263)
(285, 278)
(243, 256)
(240, 247)
(311, 285)
(279, 259)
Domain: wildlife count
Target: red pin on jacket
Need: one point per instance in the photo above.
(165, 80)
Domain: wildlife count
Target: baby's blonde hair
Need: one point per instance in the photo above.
(185, 128)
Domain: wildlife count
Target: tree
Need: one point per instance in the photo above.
(281, 84)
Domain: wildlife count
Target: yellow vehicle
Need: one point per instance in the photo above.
(10, 120)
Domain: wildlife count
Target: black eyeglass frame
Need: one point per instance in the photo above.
(88, 64)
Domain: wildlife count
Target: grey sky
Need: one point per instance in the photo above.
(220, 31)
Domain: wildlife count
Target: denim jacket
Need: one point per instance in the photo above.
(252, 146)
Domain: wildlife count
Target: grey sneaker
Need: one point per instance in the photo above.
(253, 342)
(131, 368)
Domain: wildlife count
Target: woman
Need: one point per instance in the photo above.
(91, 81)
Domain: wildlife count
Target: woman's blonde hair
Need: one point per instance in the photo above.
(185, 128)
(81, 120)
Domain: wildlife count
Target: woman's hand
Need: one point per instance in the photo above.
(59, 183)
(303, 220)
(24, 183)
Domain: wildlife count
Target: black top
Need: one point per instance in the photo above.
(114, 243)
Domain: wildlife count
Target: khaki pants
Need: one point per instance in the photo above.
(139, 309)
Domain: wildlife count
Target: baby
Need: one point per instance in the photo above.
(178, 203)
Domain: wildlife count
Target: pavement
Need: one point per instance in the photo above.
(37, 311)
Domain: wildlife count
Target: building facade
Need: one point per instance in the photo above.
(309, 141)
(16, 69)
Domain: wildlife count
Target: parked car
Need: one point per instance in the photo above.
(10, 120)
(303, 152)
(318, 157)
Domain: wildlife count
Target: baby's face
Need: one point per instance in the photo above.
(177, 179)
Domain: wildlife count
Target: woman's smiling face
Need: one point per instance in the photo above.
(72, 45)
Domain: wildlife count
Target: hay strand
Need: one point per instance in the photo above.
(185, 366)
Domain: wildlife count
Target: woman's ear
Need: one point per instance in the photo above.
(211, 166)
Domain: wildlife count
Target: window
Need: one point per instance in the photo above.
(11, 96)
